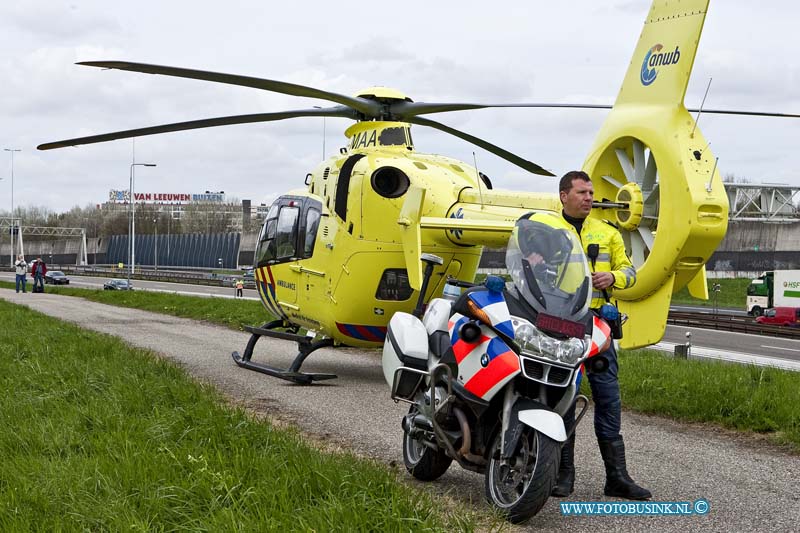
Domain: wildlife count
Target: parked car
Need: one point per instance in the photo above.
(780, 316)
(117, 285)
(249, 279)
(229, 281)
(56, 277)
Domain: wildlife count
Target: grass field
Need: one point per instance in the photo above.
(732, 294)
(98, 436)
(745, 398)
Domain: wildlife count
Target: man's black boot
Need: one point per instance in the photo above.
(618, 482)
(566, 470)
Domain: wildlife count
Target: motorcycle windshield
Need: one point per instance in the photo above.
(547, 264)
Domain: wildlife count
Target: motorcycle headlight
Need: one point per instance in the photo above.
(533, 340)
(570, 350)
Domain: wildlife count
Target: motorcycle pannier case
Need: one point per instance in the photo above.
(406, 346)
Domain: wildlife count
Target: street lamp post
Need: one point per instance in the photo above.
(13, 225)
(155, 252)
(132, 226)
(169, 236)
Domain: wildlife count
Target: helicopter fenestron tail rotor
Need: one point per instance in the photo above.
(639, 221)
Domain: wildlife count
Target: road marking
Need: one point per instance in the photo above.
(780, 348)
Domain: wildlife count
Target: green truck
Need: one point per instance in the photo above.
(779, 288)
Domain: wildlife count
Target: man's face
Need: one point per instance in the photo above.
(578, 200)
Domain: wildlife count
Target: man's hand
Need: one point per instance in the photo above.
(602, 280)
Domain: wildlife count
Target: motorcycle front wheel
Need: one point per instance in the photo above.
(519, 486)
(423, 462)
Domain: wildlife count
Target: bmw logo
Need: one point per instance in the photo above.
(485, 360)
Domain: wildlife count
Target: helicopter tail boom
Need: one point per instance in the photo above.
(650, 153)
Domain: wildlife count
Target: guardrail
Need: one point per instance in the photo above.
(739, 324)
(167, 276)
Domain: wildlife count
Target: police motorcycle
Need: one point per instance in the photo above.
(490, 373)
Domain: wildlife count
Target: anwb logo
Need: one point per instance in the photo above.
(655, 58)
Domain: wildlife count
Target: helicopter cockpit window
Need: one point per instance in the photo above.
(266, 251)
(286, 234)
(392, 137)
(312, 224)
(394, 285)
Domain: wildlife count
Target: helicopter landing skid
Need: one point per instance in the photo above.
(304, 345)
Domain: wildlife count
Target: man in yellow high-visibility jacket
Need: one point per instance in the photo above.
(611, 269)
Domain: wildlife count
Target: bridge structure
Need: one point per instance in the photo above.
(763, 202)
(13, 226)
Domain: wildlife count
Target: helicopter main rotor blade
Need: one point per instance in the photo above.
(745, 113)
(402, 110)
(367, 107)
(496, 150)
(338, 111)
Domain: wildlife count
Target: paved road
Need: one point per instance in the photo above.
(739, 347)
(94, 282)
(750, 486)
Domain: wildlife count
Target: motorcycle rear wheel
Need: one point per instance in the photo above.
(423, 462)
(520, 486)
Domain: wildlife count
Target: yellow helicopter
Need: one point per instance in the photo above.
(338, 257)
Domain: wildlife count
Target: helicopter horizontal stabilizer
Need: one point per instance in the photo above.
(647, 318)
(698, 286)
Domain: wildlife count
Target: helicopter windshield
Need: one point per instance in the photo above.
(547, 265)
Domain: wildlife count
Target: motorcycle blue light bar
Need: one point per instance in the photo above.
(495, 283)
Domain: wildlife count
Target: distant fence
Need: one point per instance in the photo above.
(747, 261)
(188, 250)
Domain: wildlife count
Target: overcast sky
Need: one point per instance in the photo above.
(465, 51)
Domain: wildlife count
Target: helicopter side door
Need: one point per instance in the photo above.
(286, 238)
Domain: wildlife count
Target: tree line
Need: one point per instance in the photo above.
(150, 218)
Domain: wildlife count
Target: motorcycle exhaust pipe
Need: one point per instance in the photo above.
(466, 440)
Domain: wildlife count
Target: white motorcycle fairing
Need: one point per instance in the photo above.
(547, 422)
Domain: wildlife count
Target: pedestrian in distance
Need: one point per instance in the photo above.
(239, 287)
(38, 270)
(21, 269)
